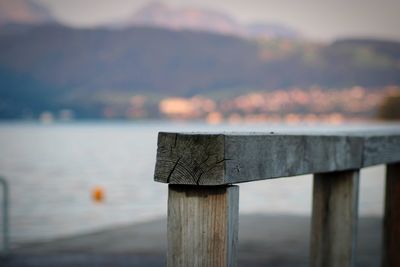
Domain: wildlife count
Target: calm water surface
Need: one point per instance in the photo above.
(52, 169)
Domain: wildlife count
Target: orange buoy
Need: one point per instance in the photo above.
(98, 194)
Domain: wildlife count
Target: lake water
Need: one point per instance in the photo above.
(52, 170)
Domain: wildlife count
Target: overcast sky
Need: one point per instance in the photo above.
(318, 19)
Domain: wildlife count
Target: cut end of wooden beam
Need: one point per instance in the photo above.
(195, 159)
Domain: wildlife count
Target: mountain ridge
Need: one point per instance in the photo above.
(159, 14)
(23, 12)
(49, 66)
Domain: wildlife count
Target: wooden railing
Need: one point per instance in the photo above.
(203, 205)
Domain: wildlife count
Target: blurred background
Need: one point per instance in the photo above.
(85, 86)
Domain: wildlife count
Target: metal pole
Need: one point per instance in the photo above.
(6, 239)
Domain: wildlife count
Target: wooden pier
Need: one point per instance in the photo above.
(202, 168)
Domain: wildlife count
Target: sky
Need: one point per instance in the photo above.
(317, 19)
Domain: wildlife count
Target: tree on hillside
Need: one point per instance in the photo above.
(390, 107)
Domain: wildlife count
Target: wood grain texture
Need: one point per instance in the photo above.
(381, 149)
(190, 159)
(257, 157)
(202, 226)
(217, 159)
(334, 219)
(391, 226)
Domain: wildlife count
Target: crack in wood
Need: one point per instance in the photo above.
(222, 160)
(181, 168)
(173, 169)
(215, 165)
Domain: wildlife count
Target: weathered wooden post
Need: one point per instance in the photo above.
(391, 229)
(202, 209)
(200, 169)
(334, 219)
(202, 225)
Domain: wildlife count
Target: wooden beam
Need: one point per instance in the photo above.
(334, 219)
(228, 158)
(381, 149)
(391, 229)
(202, 226)
(217, 159)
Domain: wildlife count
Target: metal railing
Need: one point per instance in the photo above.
(5, 216)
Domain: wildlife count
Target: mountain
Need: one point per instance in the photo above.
(272, 30)
(139, 58)
(23, 12)
(161, 15)
(158, 14)
(50, 67)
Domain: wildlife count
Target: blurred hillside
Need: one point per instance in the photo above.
(158, 14)
(162, 52)
(51, 66)
(390, 107)
(23, 11)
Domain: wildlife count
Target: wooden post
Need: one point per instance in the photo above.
(202, 225)
(391, 229)
(334, 219)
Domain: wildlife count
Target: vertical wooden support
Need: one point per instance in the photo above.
(334, 219)
(202, 225)
(391, 225)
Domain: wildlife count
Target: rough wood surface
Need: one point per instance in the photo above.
(381, 149)
(190, 159)
(202, 226)
(334, 219)
(255, 157)
(391, 228)
(217, 159)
